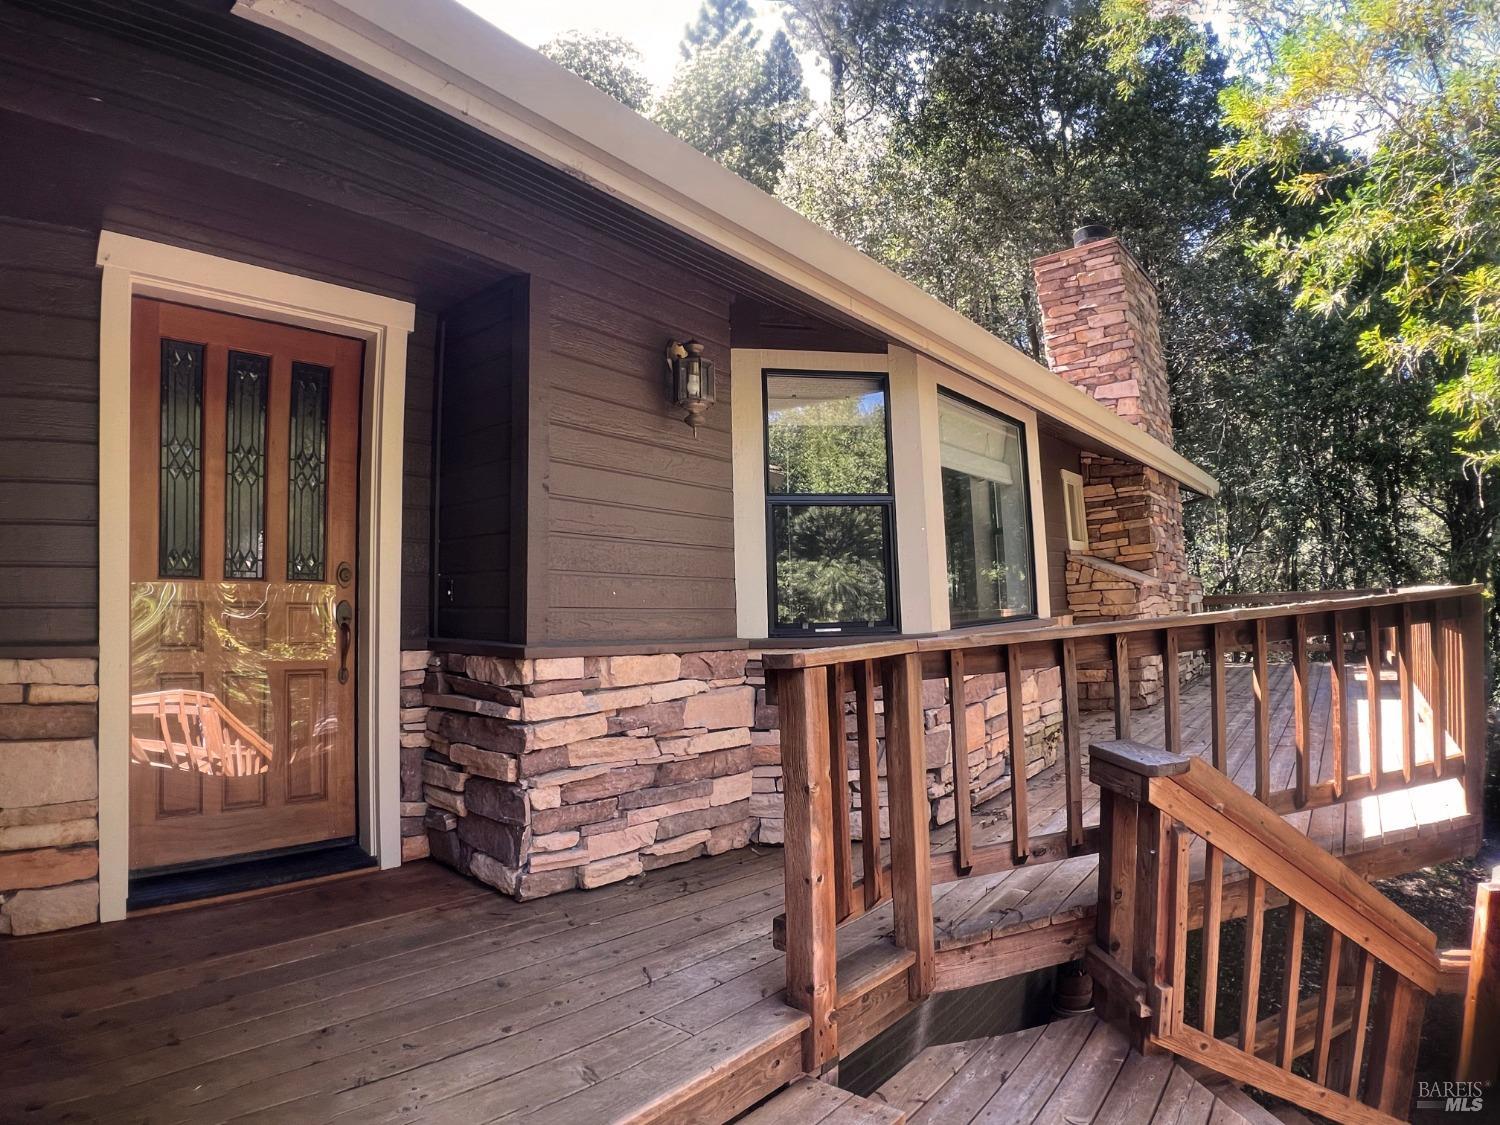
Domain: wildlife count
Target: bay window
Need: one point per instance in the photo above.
(829, 503)
(986, 514)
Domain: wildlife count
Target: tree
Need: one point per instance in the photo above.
(718, 21)
(609, 62)
(741, 107)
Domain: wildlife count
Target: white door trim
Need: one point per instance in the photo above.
(135, 267)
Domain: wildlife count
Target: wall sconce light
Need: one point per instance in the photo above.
(692, 380)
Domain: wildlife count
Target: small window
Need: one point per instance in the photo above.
(1073, 511)
(829, 503)
(986, 514)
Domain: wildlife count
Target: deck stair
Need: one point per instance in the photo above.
(809, 1101)
(1079, 1070)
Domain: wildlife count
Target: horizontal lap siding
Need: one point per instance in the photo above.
(1057, 455)
(640, 512)
(49, 431)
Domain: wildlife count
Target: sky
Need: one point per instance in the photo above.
(654, 26)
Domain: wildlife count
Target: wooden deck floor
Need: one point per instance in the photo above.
(419, 995)
(1077, 1071)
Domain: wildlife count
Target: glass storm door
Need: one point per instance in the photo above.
(244, 462)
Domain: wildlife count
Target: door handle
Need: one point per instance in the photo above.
(344, 616)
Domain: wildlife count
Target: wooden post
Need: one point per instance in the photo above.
(1438, 653)
(958, 722)
(1398, 1031)
(1479, 1047)
(811, 925)
(906, 776)
(1135, 915)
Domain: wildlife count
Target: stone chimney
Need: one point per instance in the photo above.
(1102, 327)
(1101, 324)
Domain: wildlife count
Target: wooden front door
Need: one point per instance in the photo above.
(244, 462)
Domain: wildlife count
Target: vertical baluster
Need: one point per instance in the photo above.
(1438, 654)
(1292, 991)
(958, 707)
(1213, 917)
(1333, 950)
(1122, 686)
(1337, 702)
(906, 778)
(1408, 701)
(1360, 1027)
(1119, 882)
(1020, 835)
(1217, 675)
(838, 790)
(1172, 691)
(1181, 840)
(1255, 932)
(869, 782)
(1262, 684)
(1072, 743)
(1372, 693)
(1301, 708)
(811, 924)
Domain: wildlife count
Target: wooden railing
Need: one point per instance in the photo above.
(831, 701)
(1343, 1039)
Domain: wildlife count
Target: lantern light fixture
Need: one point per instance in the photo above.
(692, 380)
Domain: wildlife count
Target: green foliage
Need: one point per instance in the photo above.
(608, 61)
(830, 565)
(717, 21)
(738, 105)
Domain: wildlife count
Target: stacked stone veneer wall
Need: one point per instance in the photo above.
(543, 775)
(49, 790)
(414, 744)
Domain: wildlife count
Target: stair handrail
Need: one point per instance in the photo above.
(1154, 805)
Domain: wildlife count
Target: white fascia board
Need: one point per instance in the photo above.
(454, 60)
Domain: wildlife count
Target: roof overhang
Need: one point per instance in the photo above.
(454, 60)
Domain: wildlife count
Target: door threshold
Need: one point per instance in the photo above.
(154, 890)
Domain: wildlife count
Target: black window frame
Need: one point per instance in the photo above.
(886, 501)
(1031, 540)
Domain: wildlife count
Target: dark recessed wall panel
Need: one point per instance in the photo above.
(49, 432)
(1057, 454)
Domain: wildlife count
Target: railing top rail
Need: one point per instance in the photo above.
(1031, 631)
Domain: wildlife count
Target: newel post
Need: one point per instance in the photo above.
(811, 920)
(1133, 958)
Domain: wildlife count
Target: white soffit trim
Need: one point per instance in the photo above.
(451, 58)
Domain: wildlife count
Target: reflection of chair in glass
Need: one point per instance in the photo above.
(194, 731)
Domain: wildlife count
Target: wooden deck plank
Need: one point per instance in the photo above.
(967, 1092)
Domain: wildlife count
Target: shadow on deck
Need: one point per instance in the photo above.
(418, 994)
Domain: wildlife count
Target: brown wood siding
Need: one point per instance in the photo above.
(49, 432)
(416, 483)
(1057, 455)
(640, 511)
(475, 542)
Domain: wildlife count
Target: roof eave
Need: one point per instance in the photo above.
(452, 59)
